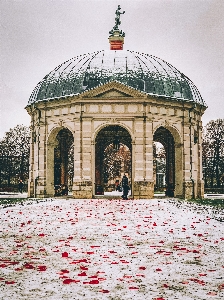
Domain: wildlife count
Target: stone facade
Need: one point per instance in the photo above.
(85, 114)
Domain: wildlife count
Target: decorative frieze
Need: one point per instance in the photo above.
(94, 108)
(119, 108)
(106, 108)
(132, 108)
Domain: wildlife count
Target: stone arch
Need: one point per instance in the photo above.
(117, 137)
(171, 139)
(56, 157)
(54, 131)
(174, 131)
(101, 126)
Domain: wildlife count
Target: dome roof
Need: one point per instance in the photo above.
(140, 71)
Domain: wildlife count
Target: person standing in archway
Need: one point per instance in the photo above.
(20, 186)
(125, 187)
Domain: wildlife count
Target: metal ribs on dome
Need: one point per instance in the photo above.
(140, 71)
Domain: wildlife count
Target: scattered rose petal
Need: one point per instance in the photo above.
(10, 282)
(104, 291)
(82, 274)
(64, 254)
(41, 268)
(68, 281)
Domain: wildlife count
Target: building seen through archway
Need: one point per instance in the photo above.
(159, 155)
(99, 115)
(112, 158)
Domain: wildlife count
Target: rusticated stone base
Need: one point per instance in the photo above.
(30, 189)
(143, 190)
(82, 190)
(200, 189)
(188, 190)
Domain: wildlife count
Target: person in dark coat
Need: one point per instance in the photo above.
(21, 186)
(125, 187)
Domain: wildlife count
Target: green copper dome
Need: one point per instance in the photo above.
(140, 71)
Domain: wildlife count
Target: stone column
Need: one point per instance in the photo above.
(77, 159)
(87, 158)
(50, 168)
(188, 183)
(31, 159)
(200, 181)
(82, 183)
(143, 166)
(41, 177)
(178, 170)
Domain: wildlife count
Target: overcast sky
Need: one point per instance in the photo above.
(38, 35)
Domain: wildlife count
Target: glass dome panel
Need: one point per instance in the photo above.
(141, 71)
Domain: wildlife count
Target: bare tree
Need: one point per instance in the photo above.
(14, 155)
(213, 153)
(116, 162)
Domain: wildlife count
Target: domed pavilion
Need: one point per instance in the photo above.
(96, 107)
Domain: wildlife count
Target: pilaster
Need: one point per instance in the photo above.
(143, 165)
(82, 182)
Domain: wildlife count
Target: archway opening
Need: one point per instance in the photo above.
(113, 159)
(164, 161)
(159, 165)
(63, 162)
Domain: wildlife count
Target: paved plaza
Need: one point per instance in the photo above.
(111, 249)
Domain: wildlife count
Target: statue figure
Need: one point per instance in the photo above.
(117, 18)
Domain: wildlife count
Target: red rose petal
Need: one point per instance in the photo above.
(91, 282)
(104, 291)
(10, 282)
(28, 266)
(67, 281)
(41, 268)
(82, 274)
(94, 282)
(64, 271)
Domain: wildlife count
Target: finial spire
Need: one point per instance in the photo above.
(116, 38)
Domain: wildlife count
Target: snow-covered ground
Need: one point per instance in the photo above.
(111, 249)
